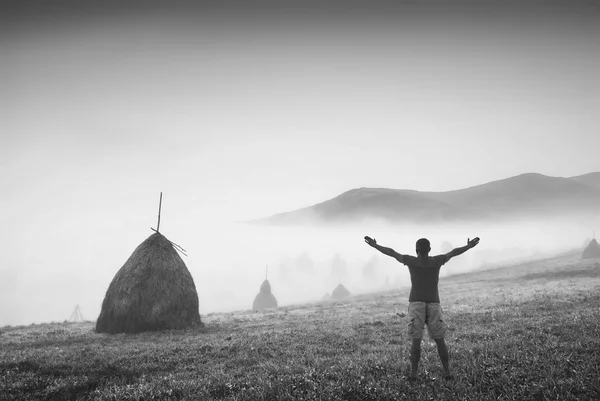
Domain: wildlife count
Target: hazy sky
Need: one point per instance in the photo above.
(241, 112)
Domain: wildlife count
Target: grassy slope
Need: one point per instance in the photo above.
(522, 332)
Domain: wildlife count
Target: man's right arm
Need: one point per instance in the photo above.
(384, 250)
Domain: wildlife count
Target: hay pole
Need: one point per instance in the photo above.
(177, 247)
(76, 316)
(159, 207)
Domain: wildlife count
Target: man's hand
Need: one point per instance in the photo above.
(383, 249)
(370, 241)
(471, 243)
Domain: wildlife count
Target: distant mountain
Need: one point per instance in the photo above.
(525, 195)
(526, 192)
(591, 179)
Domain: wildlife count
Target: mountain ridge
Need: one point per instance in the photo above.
(528, 194)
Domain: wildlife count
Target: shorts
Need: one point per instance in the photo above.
(424, 313)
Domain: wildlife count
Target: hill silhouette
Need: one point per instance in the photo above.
(525, 195)
(591, 179)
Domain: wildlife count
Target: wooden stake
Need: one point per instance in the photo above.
(159, 206)
(177, 247)
(76, 316)
(266, 271)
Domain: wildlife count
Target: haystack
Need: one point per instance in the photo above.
(340, 292)
(265, 299)
(153, 290)
(592, 250)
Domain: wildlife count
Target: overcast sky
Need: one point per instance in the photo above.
(241, 112)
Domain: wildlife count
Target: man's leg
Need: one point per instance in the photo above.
(443, 351)
(415, 355)
(437, 331)
(416, 325)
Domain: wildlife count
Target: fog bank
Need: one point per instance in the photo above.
(228, 261)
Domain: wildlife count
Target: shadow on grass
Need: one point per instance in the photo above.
(39, 380)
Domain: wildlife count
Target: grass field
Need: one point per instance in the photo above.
(524, 332)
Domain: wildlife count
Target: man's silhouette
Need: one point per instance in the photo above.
(424, 301)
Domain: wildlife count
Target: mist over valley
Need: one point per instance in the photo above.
(305, 261)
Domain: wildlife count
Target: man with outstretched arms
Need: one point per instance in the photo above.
(424, 302)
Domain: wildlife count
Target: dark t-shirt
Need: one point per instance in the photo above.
(424, 277)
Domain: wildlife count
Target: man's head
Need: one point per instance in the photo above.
(423, 246)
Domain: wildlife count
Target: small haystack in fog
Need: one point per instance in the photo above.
(153, 290)
(592, 250)
(265, 299)
(340, 292)
(326, 297)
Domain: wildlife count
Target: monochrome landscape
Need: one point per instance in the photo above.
(191, 193)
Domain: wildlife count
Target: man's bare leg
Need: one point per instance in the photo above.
(443, 351)
(415, 355)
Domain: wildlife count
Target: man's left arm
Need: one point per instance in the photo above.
(471, 243)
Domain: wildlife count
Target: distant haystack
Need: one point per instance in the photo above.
(153, 290)
(265, 299)
(592, 250)
(326, 297)
(586, 242)
(340, 292)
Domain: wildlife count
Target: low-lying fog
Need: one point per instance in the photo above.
(51, 273)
